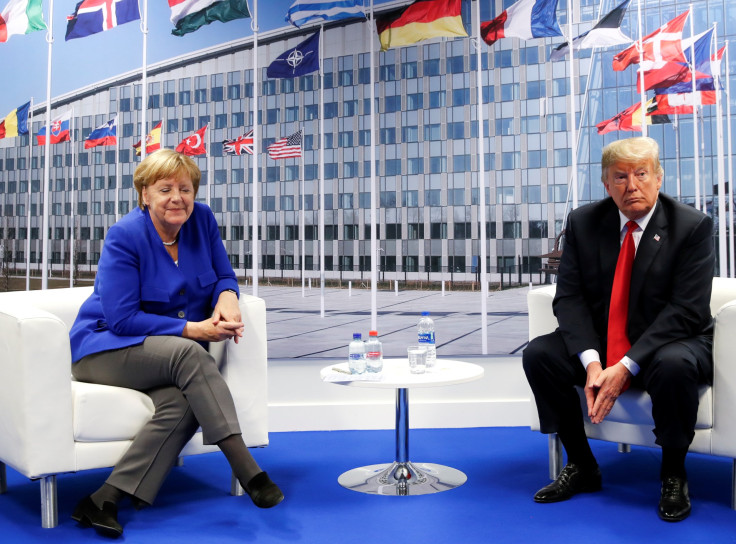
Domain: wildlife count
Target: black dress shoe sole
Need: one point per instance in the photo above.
(679, 517)
(82, 517)
(558, 498)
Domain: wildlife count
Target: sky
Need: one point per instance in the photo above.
(84, 61)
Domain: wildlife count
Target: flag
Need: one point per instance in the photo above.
(525, 19)
(302, 12)
(422, 20)
(59, 130)
(16, 122)
(239, 145)
(631, 118)
(189, 15)
(682, 103)
(103, 135)
(605, 33)
(21, 17)
(93, 16)
(297, 61)
(194, 144)
(153, 140)
(674, 72)
(664, 44)
(286, 148)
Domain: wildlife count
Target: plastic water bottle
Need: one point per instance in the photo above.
(425, 336)
(373, 353)
(356, 354)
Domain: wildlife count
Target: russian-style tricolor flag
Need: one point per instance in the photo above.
(103, 135)
(525, 19)
(59, 130)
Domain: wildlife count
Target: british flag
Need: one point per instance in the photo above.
(93, 16)
(239, 145)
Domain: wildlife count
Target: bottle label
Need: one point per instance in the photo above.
(373, 355)
(426, 338)
(356, 356)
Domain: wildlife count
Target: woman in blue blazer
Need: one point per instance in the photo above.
(164, 289)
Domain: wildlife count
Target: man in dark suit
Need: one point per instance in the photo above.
(666, 330)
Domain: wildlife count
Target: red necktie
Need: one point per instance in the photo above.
(618, 341)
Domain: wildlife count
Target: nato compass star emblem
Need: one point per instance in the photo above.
(295, 58)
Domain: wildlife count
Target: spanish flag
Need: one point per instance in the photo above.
(422, 20)
(153, 141)
(16, 122)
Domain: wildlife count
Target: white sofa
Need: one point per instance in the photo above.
(51, 424)
(630, 421)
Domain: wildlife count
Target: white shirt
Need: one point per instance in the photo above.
(591, 355)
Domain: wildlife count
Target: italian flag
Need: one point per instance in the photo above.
(189, 15)
(21, 17)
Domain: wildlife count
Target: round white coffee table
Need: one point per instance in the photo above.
(402, 477)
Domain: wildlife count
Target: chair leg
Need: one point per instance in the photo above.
(235, 488)
(624, 448)
(555, 455)
(49, 510)
(3, 479)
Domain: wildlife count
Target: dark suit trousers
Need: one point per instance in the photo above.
(671, 378)
(187, 391)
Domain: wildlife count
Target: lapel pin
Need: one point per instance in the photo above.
(656, 237)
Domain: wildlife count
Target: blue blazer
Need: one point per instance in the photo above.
(140, 291)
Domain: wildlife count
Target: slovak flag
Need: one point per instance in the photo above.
(59, 130)
(93, 16)
(525, 19)
(103, 135)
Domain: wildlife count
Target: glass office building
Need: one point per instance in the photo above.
(427, 167)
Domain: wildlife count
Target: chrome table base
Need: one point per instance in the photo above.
(402, 479)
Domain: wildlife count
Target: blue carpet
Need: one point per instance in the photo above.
(505, 466)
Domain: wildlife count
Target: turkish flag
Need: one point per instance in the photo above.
(194, 144)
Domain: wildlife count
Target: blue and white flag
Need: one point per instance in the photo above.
(103, 135)
(302, 12)
(93, 16)
(297, 61)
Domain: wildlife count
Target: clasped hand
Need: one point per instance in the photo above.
(224, 324)
(603, 387)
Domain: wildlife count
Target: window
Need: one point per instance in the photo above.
(409, 134)
(415, 101)
(438, 231)
(387, 136)
(460, 97)
(433, 197)
(437, 99)
(393, 231)
(393, 167)
(456, 131)
(392, 103)
(512, 229)
(409, 70)
(415, 231)
(537, 229)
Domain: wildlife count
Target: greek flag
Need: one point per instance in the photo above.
(302, 12)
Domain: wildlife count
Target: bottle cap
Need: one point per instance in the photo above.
(357, 336)
(372, 333)
(425, 313)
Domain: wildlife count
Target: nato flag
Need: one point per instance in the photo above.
(298, 61)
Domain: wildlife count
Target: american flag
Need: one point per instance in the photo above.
(286, 148)
(239, 145)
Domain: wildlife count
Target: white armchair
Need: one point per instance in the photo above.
(630, 421)
(51, 424)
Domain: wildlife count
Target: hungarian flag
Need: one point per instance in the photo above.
(631, 118)
(21, 17)
(605, 33)
(662, 45)
(194, 144)
(189, 15)
(59, 130)
(16, 122)
(526, 19)
(240, 145)
(153, 141)
(422, 20)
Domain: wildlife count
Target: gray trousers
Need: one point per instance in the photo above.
(187, 390)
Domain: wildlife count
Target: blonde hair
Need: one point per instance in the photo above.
(162, 164)
(631, 150)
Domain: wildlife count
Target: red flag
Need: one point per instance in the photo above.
(682, 103)
(194, 144)
(153, 140)
(631, 118)
(662, 45)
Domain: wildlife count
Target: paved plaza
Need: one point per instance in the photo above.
(295, 328)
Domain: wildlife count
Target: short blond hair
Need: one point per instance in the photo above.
(631, 151)
(162, 164)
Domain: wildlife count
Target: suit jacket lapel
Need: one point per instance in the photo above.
(651, 241)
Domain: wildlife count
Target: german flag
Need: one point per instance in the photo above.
(422, 20)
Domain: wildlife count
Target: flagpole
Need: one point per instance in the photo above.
(676, 126)
(321, 176)
(47, 157)
(302, 234)
(254, 191)
(374, 189)
(118, 180)
(208, 160)
(722, 250)
(481, 188)
(144, 90)
(573, 131)
(30, 195)
(642, 92)
(696, 161)
(71, 211)
(730, 167)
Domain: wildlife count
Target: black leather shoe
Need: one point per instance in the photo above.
(104, 521)
(674, 503)
(263, 492)
(571, 481)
